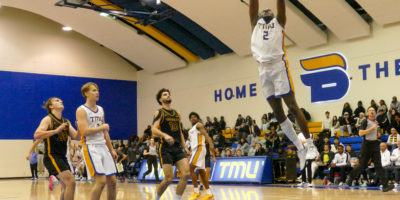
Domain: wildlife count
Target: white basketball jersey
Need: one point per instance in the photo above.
(94, 119)
(196, 138)
(267, 41)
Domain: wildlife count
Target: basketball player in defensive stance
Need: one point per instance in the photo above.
(268, 48)
(54, 130)
(167, 126)
(198, 136)
(98, 152)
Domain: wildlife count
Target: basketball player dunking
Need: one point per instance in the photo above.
(54, 130)
(98, 152)
(198, 136)
(268, 48)
(167, 126)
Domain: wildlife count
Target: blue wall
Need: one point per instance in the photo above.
(22, 96)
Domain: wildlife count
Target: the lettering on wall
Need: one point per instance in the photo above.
(238, 92)
(381, 69)
(327, 77)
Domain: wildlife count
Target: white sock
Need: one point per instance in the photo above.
(178, 197)
(196, 190)
(157, 197)
(287, 128)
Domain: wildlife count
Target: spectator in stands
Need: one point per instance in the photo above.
(260, 151)
(373, 104)
(391, 115)
(253, 138)
(228, 153)
(252, 149)
(335, 126)
(222, 123)
(396, 122)
(244, 131)
(264, 125)
(335, 145)
(282, 140)
(383, 121)
(268, 152)
(360, 109)
(264, 116)
(393, 138)
(319, 143)
(347, 108)
(132, 158)
(385, 159)
(217, 152)
(248, 121)
(216, 124)
(219, 139)
(326, 124)
(243, 145)
(264, 141)
(382, 106)
(349, 150)
(281, 153)
(360, 118)
(341, 164)
(346, 123)
(324, 161)
(255, 128)
(239, 153)
(273, 141)
(273, 122)
(209, 124)
(326, 142)
(239, 122)
(395, 158)
(395, 105)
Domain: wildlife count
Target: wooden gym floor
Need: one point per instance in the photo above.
(38, 190)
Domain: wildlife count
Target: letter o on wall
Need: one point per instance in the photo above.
(228, 94)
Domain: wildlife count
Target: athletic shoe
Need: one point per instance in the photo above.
(194, 196)
(52, 182)
(302, 184)
(330, 184)
(387, 188)
(396, 184)
(208, 196)
(310, 185)
(302, 153)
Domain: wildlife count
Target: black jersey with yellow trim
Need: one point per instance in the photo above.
(170, 124)
(57, 143)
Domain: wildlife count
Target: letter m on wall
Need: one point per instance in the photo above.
(327, 77)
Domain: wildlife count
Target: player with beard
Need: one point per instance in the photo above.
(268, 48)
(167, 126)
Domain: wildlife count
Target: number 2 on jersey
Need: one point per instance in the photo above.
(265, 36)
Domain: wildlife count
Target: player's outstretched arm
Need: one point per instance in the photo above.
(281, 17)
(253, 11)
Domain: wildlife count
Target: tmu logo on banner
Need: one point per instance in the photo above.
(327, 77)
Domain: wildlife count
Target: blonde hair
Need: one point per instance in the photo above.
(86, 87)
(48, 103)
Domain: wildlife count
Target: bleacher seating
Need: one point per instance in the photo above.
(314, 127)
